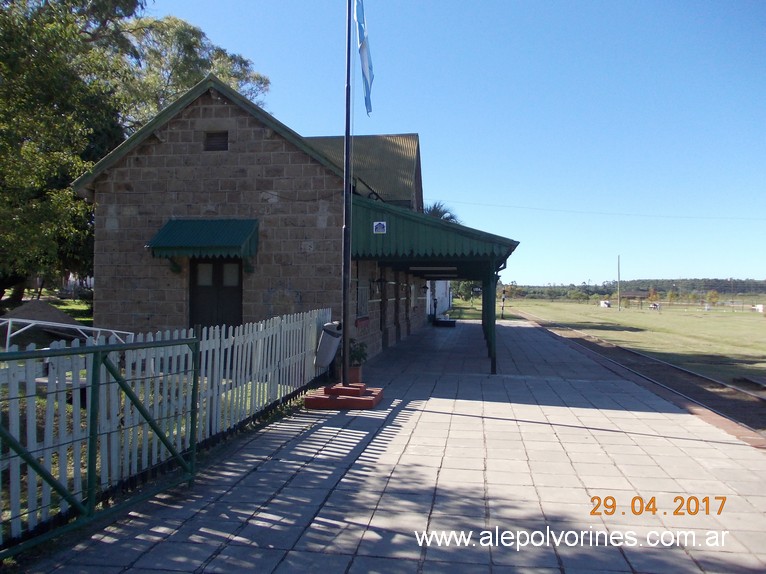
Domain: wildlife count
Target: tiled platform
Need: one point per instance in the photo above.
(452, 448)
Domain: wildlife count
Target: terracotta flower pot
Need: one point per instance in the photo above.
(354, 374)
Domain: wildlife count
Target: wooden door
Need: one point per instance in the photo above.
(215, 292)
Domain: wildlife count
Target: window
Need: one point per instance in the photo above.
(362, 300)
(205, 275)
(231, 274)
(216, 141)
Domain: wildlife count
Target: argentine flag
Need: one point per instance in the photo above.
(364, 52)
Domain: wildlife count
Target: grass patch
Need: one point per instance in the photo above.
(471, 310)
(465, 309)
(724, 344)
(81, 311)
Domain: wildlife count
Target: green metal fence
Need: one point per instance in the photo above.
(81, 425)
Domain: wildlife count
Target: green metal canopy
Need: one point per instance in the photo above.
(206, 238)
(424, 245)
(431, 248)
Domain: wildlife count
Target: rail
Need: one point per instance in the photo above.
(82, 330)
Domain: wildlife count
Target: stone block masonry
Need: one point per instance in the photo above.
(297, 201)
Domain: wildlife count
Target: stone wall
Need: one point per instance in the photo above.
(297, 201)
(396, 306)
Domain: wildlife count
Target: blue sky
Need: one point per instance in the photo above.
(586, 130)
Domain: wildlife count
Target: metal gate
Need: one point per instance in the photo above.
(79, 424)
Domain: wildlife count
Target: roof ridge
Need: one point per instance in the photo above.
(211, 81)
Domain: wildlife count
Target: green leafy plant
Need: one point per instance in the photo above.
(357, 353)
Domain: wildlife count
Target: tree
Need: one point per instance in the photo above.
(50, 107)
(464, 289)
(440, 211)
(713, 297)
(168, 57)
(75, 77)
(577, 295)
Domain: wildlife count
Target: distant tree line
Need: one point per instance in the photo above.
(711, 291)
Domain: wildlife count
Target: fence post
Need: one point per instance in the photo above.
(95, 383)
(195, 349)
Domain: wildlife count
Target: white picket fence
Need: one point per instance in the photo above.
(247, 368)
(46, 405)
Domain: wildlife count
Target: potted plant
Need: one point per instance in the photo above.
(357, 354)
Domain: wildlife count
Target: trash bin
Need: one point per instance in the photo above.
(329, 341)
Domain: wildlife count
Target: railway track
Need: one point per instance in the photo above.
(744, 403)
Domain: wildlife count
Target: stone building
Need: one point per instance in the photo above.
(216, 213)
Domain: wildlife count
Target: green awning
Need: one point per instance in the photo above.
(424, 245)
(206, 238)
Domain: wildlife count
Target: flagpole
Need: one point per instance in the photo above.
(346, 290)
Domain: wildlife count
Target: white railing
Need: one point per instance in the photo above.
(81, 330)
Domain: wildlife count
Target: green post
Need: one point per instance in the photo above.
(95, 384)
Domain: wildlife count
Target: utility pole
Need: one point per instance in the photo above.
(619, 301)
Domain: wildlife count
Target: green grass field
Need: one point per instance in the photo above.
(720, 343)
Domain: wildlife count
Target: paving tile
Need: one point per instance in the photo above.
(588, 558)
(458, 477)
(506, 465)
(334, 532)
(312, 563)
(567, 495)
(728, 563)
(378, 565)
(113, 553)
(389, 544)
(645, 559)
(178, 557)
(471, 507)
(501, 492)
(399, 521)
(611, 482)
(597, 469)
(557, 480)
(526, 558)
(205, 530)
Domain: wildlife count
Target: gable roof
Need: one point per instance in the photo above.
(85, 182)
(389, 165)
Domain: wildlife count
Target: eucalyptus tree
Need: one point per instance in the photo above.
(54, 113)
(77, 76)
(168, 57)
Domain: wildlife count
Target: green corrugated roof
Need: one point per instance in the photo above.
(423, 244)
(206, 238)
(387, 164)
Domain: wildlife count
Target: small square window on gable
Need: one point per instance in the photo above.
(216, 141)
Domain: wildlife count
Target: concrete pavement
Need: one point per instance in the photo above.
(556, 464)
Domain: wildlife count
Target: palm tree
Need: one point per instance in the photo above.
(441, 211)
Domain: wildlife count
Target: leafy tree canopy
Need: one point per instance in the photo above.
(75, 77)
(47, 100)
(168, 57)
